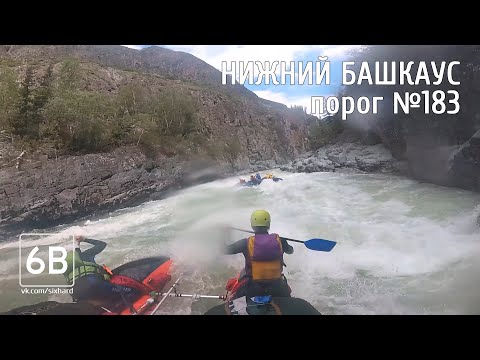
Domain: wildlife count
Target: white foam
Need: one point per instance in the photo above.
(394, 237)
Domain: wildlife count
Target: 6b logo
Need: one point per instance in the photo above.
(51, 255)
(40, 266)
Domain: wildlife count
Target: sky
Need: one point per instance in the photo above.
(288, 94)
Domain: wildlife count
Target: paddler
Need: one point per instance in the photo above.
(263, 252)
(91, 281)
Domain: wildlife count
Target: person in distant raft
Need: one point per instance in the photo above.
(92, 280)
(252, 180)
(263, 272)
(272, 177)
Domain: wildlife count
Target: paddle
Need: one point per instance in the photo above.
(312, 244)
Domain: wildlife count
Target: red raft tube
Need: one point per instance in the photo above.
(149, 277)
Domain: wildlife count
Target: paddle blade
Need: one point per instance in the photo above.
(320, 244)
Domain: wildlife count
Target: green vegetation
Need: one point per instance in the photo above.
(322, 131)
(5, 61)
(59, 111)
(9, 99)
(78, 120)
(299, 108)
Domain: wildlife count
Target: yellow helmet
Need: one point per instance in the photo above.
(260, 218)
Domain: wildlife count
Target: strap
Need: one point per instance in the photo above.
(272, 303)
(276, 308)
(238, 306)
(107, 270)
(279, 242)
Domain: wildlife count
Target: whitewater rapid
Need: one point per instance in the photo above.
(403, 247)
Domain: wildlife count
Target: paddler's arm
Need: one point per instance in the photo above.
(98, 247)
(237, 247)
(287, 248)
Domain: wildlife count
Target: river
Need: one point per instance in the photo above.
(403, 247)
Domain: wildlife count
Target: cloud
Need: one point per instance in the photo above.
(287, 99)
(136, 47)
(215, 54)
(284, 98)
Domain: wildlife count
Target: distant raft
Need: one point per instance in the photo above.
(257, 180)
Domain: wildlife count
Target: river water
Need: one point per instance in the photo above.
(403, 247)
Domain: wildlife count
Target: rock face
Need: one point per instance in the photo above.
(464, 164)
(45, 193)
(367, 158)
(434, 151)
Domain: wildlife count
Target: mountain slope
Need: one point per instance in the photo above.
(106, 127)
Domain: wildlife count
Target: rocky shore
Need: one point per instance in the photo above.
(367, 158)
(453, 165)
(47, 192)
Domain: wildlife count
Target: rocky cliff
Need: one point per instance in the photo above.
(48, 192)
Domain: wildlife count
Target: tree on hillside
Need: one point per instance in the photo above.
(79, 120)
(300, 108)
(44, 91)
(25, 118)
(173, 113)
(40, 97)
(9, 99)
(178, 111)
(322, 131)
(32, 98)
(69, 76)
(132, 99)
